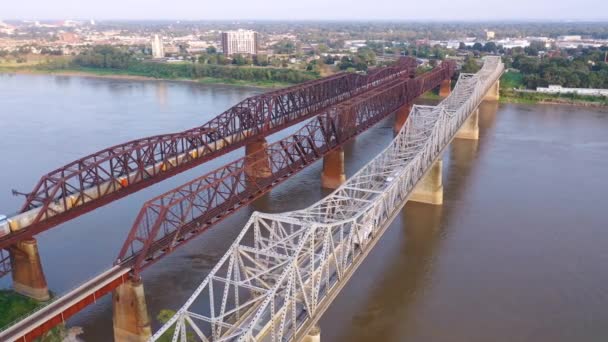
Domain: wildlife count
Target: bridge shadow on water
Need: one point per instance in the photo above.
(380, 301)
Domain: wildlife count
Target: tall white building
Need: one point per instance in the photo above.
(241, 41)
(158, 50)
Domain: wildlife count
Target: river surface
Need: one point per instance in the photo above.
(517, 252)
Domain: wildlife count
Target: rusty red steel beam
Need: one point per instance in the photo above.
(112, 173)
(173, 218)
(62, 308)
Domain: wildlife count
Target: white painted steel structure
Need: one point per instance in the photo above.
(283, 270)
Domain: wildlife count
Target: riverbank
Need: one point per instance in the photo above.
(510, 82)
(126, 75)
(510, 96)
(538, 99)
(13, 306)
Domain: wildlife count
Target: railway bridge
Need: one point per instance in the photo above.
(170, 220)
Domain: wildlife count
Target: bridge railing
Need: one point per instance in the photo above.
(175, 217)
(284, 269)
(111, 173)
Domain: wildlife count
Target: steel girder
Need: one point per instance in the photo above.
(284, 269)
(179, 215)
(117, 171)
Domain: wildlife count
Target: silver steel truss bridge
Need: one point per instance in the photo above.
(284, 270)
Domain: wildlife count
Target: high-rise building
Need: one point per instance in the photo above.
(241, 41)
(158, 50)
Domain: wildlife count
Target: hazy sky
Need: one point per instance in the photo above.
(306, 9)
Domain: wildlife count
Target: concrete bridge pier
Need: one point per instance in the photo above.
(28, 276)
(314, 335)
(493, 93)
(430, 188)
(401, 117)
(333, 174)
(257, 163)
(470, 128)
(130, 313)
(445, 88)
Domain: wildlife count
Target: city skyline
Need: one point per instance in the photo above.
(384, 10)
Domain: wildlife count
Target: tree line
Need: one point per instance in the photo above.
(108, 57)
(577, 68)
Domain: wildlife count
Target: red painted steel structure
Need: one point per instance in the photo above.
(170, 220)
(120, 170)
(177, 216)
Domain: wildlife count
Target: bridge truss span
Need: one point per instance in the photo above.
(114, 172)
(283, 270)
(179, 215)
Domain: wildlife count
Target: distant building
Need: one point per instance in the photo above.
(241, 41)
(68, 38)
(490, 35)
(158, 50)
(569, 38)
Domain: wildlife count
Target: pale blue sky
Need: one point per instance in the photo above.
(307, 9)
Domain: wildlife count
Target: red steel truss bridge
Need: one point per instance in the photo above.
(107, 175)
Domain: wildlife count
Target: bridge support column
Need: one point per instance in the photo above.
(333, 169)
(430, 188)
(445, 88)
(130, 313)
(493, 93)
(257, 164)
(401, 117)
(28, 277)
(470, 128)
(314, 335)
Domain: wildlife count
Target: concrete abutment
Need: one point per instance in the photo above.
(28, 276)
(493, 93)
(470, 128)
(430, 188)
(445, 88)
(333, 174)
(130, 313)
(401, 117)
(314, 335)
(257, 163)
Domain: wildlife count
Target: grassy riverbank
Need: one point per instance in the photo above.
(510, 96)
(127, 74)
(267, 77)
(13, 306)
(510, 81)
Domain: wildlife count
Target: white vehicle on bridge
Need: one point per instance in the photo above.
(363, 235)
(5, 227)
